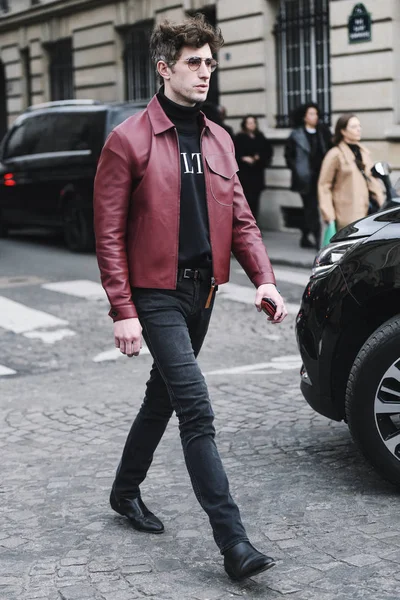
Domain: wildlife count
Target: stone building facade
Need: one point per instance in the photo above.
(277, 53)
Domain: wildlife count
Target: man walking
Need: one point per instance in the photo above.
(168, 211)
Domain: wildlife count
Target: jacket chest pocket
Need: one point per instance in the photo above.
(221, 174)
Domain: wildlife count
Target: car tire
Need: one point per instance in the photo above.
(373, 400)
(78, 226)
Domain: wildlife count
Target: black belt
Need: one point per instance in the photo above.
(196, 274)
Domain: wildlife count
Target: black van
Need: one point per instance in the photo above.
(348, 332)
(48, 161)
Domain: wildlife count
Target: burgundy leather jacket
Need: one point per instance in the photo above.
(137, 202)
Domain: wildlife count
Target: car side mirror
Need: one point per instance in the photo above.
(381, 169)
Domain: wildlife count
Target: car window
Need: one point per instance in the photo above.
(120, 114)
(57, 132)
(79, 131)
(14, 144)
(30, 137)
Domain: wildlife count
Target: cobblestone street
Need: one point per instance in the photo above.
(307, 497)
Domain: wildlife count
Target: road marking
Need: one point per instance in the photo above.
(19, 318)
(4, 371)
(246, 295)
(115, 353)
(50, 337)
(290, 276)
(296, 277)
(80, 288)
(276, 365)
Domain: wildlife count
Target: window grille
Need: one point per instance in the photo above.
(303, 57)
(140, 75)
(61, 70)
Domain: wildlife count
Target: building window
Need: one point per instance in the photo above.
(4, 6)
(61, 70)
(140, 75)
(303, 57)
(26, 68)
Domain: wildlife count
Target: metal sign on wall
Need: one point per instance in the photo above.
(359, 25)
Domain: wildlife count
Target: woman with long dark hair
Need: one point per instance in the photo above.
(304, 152)
(346, 188)
(253, 154)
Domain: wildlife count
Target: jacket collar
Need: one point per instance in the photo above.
(301, 139)
(161, 123)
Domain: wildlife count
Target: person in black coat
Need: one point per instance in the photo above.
(253, 154)
(304, 152)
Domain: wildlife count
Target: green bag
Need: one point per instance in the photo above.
(330, 231)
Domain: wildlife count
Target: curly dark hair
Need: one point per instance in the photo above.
(299, 113)
(168, 38)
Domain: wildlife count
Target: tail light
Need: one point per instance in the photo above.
(9, 180)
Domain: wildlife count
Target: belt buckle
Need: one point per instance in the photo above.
(187, 273)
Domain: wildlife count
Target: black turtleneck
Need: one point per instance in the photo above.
(194, 237)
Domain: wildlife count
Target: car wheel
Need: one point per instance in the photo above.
(78, 227)
(373, 400)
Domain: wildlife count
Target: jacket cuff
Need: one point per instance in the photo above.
(262, 278)
(119, 313)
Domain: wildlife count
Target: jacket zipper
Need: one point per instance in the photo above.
(213, 281)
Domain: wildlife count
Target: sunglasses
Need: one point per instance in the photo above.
(194, 63)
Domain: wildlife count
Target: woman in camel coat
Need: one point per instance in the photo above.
(346, 186)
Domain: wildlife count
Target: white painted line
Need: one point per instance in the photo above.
(115, 353)
(6, 371)
(237, 293)
(298, 277)
(20, 318)
(246, 295)
(81, 288)
(50, 337)
(276, 365)
(286, 359)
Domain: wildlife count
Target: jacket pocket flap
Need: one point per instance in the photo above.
(223, 164)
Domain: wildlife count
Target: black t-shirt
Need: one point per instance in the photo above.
(316, 152)
(194, 236)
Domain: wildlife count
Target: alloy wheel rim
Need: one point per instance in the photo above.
(387, 409)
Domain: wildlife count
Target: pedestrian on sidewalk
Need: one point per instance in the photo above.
(304, 151)
(346, 188)
(169, 209)
(253, 153)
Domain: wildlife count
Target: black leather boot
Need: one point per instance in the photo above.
(243, 560)
(137, 512)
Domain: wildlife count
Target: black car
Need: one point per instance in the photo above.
(48, 161)
(348, 332)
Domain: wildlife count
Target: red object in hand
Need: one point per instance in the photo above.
(268, 306)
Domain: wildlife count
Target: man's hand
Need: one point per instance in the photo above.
(248, 159)
(128, 336)
(268, 290)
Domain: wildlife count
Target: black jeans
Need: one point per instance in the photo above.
(312, 221)
(175, 323)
